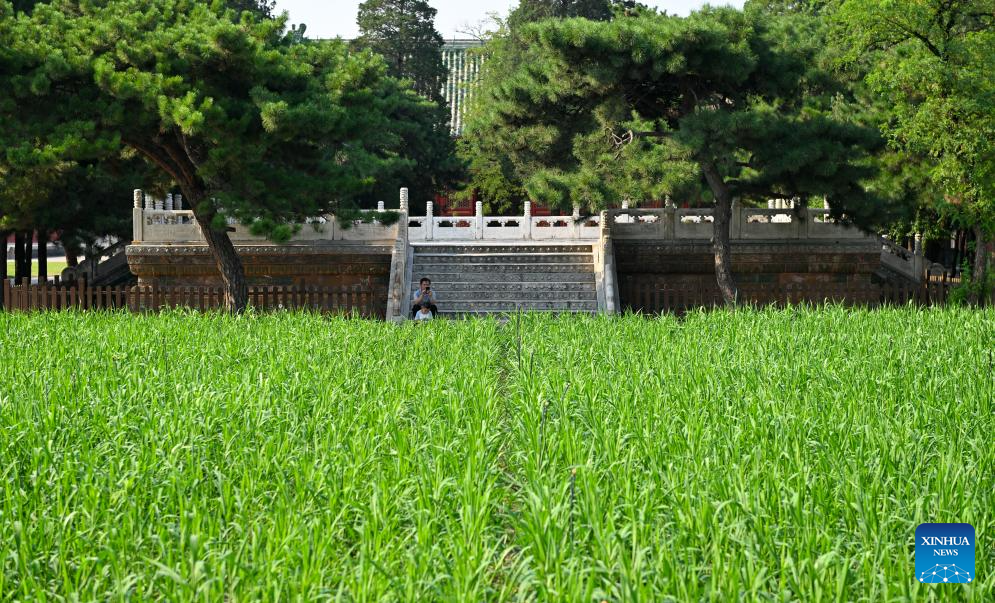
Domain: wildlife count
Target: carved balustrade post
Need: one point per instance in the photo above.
(479, 229)
(527, 224)
(404, 200)
(429, 229)
(669, 227)
(137, 217)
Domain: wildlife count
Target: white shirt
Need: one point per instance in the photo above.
(425, 316)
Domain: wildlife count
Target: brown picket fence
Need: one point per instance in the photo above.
(370, 302)
(655, 295)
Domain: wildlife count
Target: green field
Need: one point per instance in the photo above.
(54, 268)
(774, 456)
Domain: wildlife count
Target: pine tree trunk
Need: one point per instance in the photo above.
(19, 257)
(3, 266)
(72, 253)
(980, 267)
(29, 256)
(236, 290)
(721, 248)
(42, 255)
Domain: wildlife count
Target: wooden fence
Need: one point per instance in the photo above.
(367, 302)
(657, 295)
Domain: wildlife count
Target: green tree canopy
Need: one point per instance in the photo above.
(403, 32)
(492, 173)
(245, 123)
(530, 11)
(657, 104)
(931, 62)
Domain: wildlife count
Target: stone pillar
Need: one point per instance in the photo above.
(169, 202)
(770, 204)
(158, 204)
(527, 221)
(736, 221)
(380, 205)
(669, 227)
(428, 222)
(917, 249)
(137, 219)
(178, 202)
(404, 200)
(479, 234)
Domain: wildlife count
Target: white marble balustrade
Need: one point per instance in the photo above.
(163, 221)
(502, 228)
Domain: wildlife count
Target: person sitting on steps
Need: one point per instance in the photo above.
(424, 313)
(424, 295)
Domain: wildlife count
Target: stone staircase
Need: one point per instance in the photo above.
(475, 279)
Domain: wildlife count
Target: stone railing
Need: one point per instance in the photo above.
(504, 228)
(747, 223)
(97, 267)
(164, 221)
(770, 224)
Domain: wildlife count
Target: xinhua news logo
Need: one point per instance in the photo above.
(945, 553)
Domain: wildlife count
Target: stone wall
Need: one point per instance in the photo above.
(365, 266)
(763, 269)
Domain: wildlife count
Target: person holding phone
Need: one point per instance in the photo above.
(423, 295)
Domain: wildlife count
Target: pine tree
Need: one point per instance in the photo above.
(640, 105)
(531, 11)
(492, 174)
(403, 32)
(246, 124)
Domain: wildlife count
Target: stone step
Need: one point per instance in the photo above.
(456, 297)
(463, 307)
(433, 270)
(502, 248)
(523, 287)
(510, 258)
(493, 276)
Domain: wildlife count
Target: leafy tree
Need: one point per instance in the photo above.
(931, 62)
(403, 32)
(246, 125)
(641, 105)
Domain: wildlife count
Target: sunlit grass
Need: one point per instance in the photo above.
(778, 455)
(54, 268)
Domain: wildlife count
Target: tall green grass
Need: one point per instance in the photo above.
(769, 455)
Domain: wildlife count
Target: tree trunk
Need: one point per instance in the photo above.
(19, 257)
(3, 266)
(225, 257)
(42, 255)
(72, 254)
(721, 248)
(979, 269)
